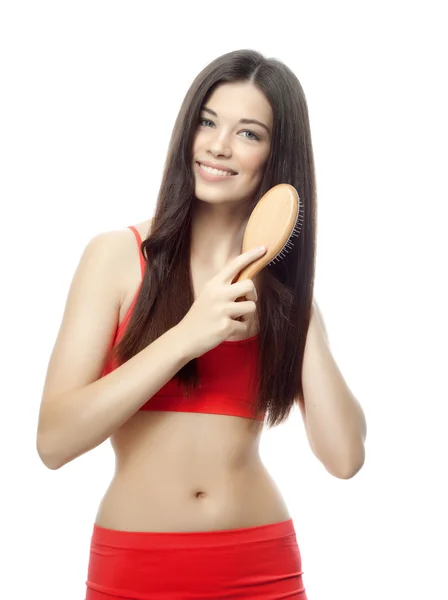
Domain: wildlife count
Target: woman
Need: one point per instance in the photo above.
(155, 353)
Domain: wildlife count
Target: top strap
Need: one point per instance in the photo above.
(139, 243)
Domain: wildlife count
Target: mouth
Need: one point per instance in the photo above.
(216, 172)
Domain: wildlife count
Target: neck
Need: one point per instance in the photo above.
(216, 234)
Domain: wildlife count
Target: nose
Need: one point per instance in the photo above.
(219, 146)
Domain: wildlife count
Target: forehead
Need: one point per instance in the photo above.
(240, 100)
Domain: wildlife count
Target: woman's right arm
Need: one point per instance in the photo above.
(79, 410)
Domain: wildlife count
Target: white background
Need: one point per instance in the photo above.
(90, 92)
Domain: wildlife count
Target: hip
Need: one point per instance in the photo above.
(254, 562)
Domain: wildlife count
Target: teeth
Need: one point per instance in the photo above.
(216, 171)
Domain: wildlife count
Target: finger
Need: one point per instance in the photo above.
(231, 270)
(252, 295)
(241, 288)
(242, 309)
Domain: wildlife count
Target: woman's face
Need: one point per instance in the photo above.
(232, 143)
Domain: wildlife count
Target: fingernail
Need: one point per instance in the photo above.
(260, 248)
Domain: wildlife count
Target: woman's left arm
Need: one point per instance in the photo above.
(335, 422)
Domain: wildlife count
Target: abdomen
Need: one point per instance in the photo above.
(189, 472)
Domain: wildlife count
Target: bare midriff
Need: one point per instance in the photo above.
(178, 471)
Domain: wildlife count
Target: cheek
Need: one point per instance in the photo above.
(195, 145)
(256, 162)
(199, 140)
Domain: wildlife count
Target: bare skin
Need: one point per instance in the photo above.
(187, 471)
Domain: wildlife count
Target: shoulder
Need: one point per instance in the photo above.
(118, 245)
(115, 252)
(144, 228)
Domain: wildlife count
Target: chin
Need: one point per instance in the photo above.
(212, 196)
(209, 199)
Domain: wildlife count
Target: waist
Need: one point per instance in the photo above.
(190, 509)
(165, 499)
(188, 471)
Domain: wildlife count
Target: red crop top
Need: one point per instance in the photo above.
(225, 374)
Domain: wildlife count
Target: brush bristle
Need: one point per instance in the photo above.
(289, 242)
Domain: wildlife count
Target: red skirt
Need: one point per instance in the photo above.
(256, 562)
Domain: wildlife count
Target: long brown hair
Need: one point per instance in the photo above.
(284, 306)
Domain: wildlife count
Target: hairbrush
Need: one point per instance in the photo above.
(274, 222)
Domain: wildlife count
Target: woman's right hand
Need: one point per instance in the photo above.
(212, 317)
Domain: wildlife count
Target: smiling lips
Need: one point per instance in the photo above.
(214, 171)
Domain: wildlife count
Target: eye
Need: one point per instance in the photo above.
(251, 135)
(205, 122)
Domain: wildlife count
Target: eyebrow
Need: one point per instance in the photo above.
(243, 121)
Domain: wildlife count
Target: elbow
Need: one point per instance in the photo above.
(343, 465)
(348, 469)
(348, 473)
(49, 461)
(52, 466)
(49, 458)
